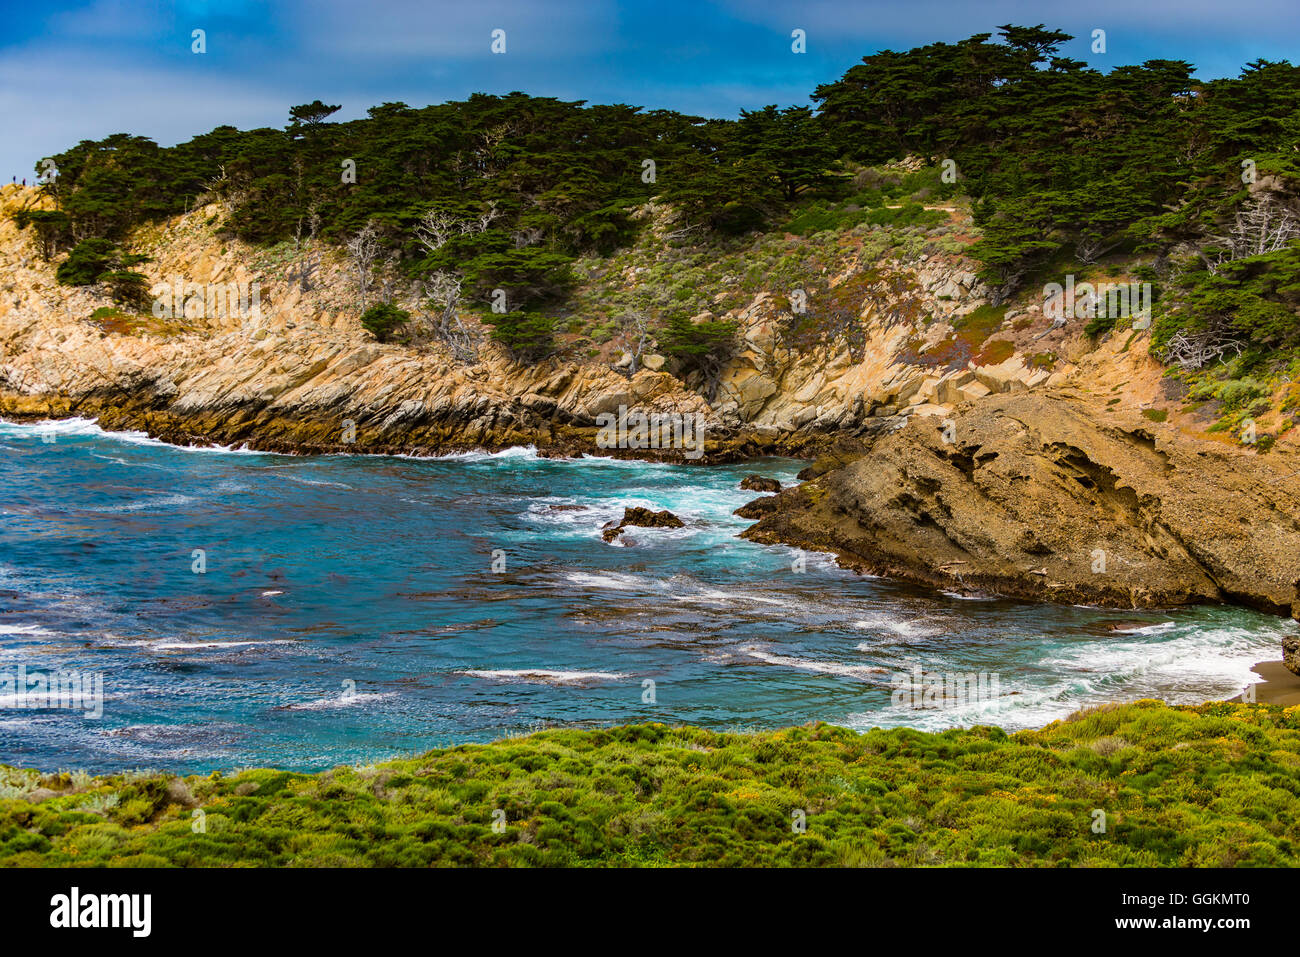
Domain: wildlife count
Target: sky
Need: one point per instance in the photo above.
(81, 70)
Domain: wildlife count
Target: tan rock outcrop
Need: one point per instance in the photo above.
(1046, 496)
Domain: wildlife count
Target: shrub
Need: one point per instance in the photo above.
(1206, 786)
(382, 319)
(102, 261)
(89, 260)
(1239, 393)
(528, 335)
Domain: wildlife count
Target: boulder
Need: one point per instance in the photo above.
(759, 507)
(1291, 653)
(758, 483)
(641, 518)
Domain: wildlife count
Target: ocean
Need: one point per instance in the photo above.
(248, 609)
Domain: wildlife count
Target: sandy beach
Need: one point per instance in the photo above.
(1279, 686)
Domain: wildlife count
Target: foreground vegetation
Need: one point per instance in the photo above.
(1215, 785)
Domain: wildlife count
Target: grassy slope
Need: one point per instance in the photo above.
(1214, 785)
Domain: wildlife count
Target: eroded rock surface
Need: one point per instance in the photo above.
(1044, 496)
(760, 483)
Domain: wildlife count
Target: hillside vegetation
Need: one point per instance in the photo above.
(531, 214)
(1140, 784)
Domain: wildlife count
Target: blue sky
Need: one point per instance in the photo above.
(77, 70)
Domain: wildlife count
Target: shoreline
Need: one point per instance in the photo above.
(313, 433)
(450, 452)
(1279, 687)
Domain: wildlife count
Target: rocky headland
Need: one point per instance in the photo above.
(955, 444)
(1045, 497)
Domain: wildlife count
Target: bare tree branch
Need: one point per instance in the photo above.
(364, 249)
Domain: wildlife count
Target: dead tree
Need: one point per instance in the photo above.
(442, 294)
(364, 249)
(306, 254)
(1198, 349)
(442, 289)
(635, 337)
(1263, 226)
(1088, 249)
(438, 226)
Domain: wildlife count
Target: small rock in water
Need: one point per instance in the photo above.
(757, 483)
(643, 518)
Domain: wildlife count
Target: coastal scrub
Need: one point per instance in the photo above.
(1139, 784)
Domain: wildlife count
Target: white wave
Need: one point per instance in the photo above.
(716, 595)
(1012, 711)
(162, 501)
(344, 701)
(11, 629)
(1181, 664)
(1147, 629)
(90, 428)
(271, 594)
(904, 628)
(608, 460)
(610, 580)
(513, 452)
(869, 673)
(306, 481)
(571, 522)
(543, 675)
(199, 645)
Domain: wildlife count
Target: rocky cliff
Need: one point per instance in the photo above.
(1043, 496)
(302, 375)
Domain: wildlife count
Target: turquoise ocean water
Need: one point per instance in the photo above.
(352, 608)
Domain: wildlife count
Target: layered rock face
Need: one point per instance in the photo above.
(1042, 496)
(302, 375)
(299, 373)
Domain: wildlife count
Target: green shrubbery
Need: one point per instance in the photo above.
(528, 335)
(1212, 786)
(383, 319)
(89, 260)
(102, 261)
